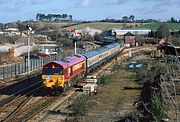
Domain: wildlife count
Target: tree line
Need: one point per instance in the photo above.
(53, 17)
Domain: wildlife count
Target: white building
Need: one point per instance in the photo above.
(121, 31)
(87, 30)
(12, 29)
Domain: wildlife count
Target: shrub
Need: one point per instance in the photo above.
(116, 67)
(105, 79)
(157, 107)
(79, 106)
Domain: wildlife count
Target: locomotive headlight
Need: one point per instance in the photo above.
(48, 77)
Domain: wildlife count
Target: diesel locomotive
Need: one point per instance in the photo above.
(66, 72)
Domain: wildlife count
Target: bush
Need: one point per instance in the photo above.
(157, 107)
(79, 106)
(105, 79)
(116, 67)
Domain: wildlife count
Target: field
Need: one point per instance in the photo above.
(154, 26)
(104, 25)
(44, 24)
(100, 25)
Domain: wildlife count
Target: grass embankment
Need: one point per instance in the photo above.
(113, 102)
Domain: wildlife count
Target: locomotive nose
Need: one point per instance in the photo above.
(49, 83)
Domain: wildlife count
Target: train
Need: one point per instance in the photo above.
(60, 75)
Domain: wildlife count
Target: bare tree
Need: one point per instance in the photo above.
(163, 31)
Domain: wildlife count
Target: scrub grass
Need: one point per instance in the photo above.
(113, 102)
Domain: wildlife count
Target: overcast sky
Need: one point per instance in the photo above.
(13, 10)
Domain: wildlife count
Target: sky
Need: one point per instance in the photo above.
(14, 10)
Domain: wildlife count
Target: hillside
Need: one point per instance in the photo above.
(74, 25)
(154, 26)
(104, 25)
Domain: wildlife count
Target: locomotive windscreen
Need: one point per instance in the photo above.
(47, 71)
(52, 71)
(58, 71)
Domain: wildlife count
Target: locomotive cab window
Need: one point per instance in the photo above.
(58, 71)
(47, 71)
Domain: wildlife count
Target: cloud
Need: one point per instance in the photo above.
(115, 2)
(85, 3)
(118, 2)
(2, 1)
(39, 1)
(20, 3)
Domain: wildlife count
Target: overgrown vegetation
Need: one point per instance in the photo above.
(163, 31)
(145, 74)
(105, 79)
(176, 42)
(116, 67)
(152, 105)
(157, 107)
(7, 39)
(79, 106)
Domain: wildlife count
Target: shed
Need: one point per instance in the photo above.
(129, 39)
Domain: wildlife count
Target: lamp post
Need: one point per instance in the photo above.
(29, 31)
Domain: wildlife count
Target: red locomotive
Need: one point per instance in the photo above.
(58, 73)
(65, 73)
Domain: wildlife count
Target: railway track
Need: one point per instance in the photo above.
(16, 101)
(34, 108)
(61, 107)
(25, 113)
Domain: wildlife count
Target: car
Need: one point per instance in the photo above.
(43, 55)
(32, 57)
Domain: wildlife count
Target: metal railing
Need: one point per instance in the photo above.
(12, 70)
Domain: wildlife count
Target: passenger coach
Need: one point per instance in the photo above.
(99, 56)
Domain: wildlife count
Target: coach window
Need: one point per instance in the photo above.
(71, 71)
(82, 65)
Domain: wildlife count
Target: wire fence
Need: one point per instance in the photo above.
(12, 70)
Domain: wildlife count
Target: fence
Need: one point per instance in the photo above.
(12, 70)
